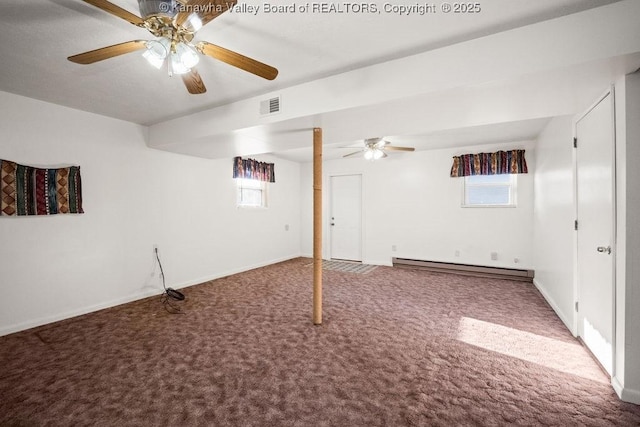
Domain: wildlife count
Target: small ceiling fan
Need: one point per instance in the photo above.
(174, 23)
(374, 149)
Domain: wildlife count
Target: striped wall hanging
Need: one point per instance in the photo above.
(498, 163)
(26, 190)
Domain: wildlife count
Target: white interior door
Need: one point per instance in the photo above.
(595, 203)
(346, 217)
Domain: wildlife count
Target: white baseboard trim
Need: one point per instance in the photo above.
(625, 394)
(6, 330)
(386, 262)
(617, 387)
(232, 272)
(631, 396)
(568, 322)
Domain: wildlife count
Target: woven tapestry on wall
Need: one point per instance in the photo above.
(498, 163)
(25, 190)
(253, 169)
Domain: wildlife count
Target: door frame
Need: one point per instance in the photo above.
(328, 208)
(611, 93)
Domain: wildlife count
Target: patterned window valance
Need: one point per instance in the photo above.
(499, 163)
(253, 169)
(25, 190)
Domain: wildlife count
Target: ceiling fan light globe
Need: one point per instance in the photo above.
(195, 23)
(377, 154)
(187, 55)
(177, 67)
(153, 60)
(368, 155)
(157, 48)
(156, 52)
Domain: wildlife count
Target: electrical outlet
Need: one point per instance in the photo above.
(394, 248)
(286, 227)
(494, 256)
(516, 260)
(457, 253)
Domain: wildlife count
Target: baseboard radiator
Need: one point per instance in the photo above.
(465, 269)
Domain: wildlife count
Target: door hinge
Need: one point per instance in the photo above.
(575, 142)
(576, 305)
(575, 225)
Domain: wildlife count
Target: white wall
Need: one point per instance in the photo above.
(553, 216)
(410, 201)
(553, 241)
(134, 197)
(626, 379)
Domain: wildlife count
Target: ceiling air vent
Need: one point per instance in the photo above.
(270, 106)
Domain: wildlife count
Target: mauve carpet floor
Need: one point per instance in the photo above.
(398, 347)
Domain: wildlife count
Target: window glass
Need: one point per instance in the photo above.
(252, 193)
(489, 190)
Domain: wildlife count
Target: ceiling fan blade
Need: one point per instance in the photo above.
(396, 148)
(240, 61)
(117, 11)
(353, 154)
(205, 10)
(194, 83)
(108, 52)
(211, 15)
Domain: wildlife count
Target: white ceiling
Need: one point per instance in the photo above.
(509, 132)
(38, 35)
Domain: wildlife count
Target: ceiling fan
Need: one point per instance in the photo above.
(174, 23)
(374, 149)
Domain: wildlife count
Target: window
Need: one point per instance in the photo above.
(252, 193)
(489, 191)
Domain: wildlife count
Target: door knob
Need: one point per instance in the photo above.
(604, 249)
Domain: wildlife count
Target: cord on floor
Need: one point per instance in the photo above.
(169, 293)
